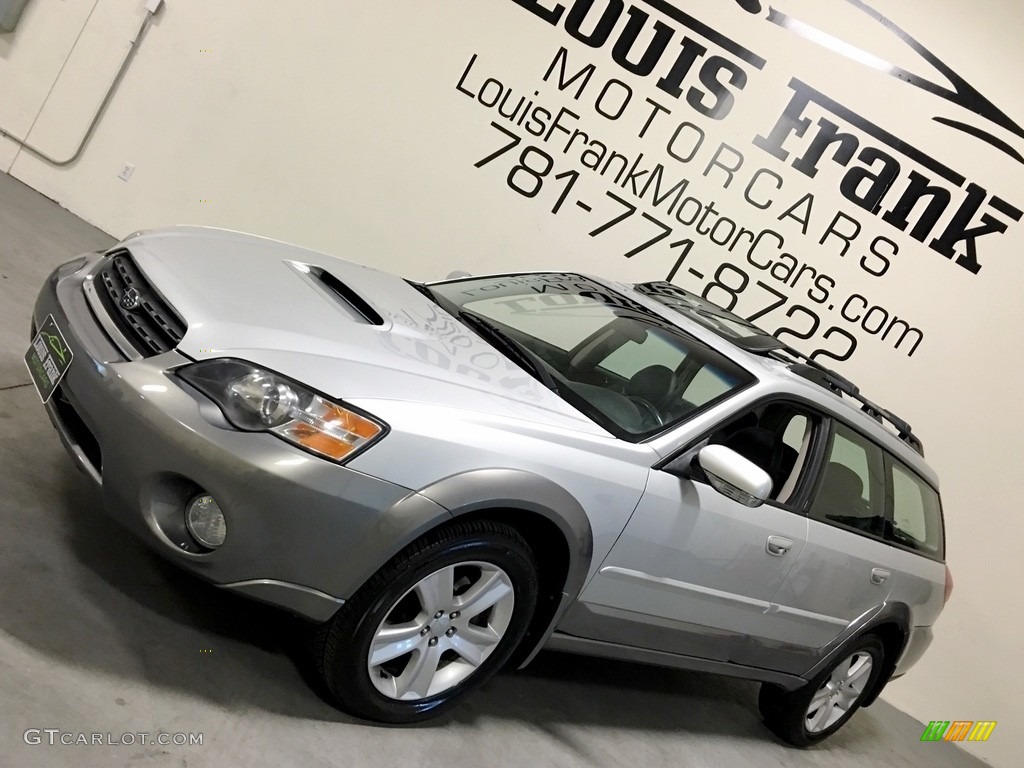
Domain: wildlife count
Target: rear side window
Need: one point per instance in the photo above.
(865, 488)
(916, 514)
(852, 490)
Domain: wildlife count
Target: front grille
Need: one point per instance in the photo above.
(146, 320)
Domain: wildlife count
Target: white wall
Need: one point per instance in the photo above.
(338, 125)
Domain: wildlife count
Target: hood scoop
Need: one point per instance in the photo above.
(354, 305)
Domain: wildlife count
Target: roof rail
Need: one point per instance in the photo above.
(756, 340)
(826, 377)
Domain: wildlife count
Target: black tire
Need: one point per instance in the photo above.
(788, 715)
(478, 550)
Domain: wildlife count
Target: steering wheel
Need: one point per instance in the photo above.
(647, 409)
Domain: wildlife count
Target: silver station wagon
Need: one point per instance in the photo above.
(448, 477)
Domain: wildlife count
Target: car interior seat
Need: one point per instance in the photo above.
(655, 384)
(841, 498)
(766, 449)
(757, 445)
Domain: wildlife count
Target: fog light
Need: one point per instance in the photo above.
(205, 521)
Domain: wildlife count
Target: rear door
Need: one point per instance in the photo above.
(846, 568)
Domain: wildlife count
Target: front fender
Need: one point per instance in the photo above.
(512, 490)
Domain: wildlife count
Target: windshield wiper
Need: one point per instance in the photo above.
(515, 349)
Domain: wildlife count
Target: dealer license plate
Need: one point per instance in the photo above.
(48, 359)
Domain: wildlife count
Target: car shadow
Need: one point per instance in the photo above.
(562, 688)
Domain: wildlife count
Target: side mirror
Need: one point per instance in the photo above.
(734, 476)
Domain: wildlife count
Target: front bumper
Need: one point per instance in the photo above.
(302, 533)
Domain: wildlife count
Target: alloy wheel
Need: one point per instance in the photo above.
(441, 630)
(840, 692)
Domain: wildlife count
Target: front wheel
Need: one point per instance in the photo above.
(818, 709)
(433, 624)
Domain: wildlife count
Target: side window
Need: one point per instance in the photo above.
(776, 437)
(796, 432)
(916, 516)
(796, 438)
(852, 489)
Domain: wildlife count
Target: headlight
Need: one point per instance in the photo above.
(255, 400)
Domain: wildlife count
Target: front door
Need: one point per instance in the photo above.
(697, 569)
(697, 573)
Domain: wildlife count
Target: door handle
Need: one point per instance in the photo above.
(879, 575)
(777, 546)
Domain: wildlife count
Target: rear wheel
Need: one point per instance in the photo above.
(433, 624)
(817, 710)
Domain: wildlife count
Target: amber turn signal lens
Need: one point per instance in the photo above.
(329, 429)
(350, 422)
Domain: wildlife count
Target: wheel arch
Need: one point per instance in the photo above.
(547, 516)
(894, 635)
(891, 624)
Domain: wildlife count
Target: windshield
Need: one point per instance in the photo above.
(741, 332)
(624, 366)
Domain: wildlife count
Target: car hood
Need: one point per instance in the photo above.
(349, 331)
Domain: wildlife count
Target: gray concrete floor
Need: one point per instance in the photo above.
(98, 635)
